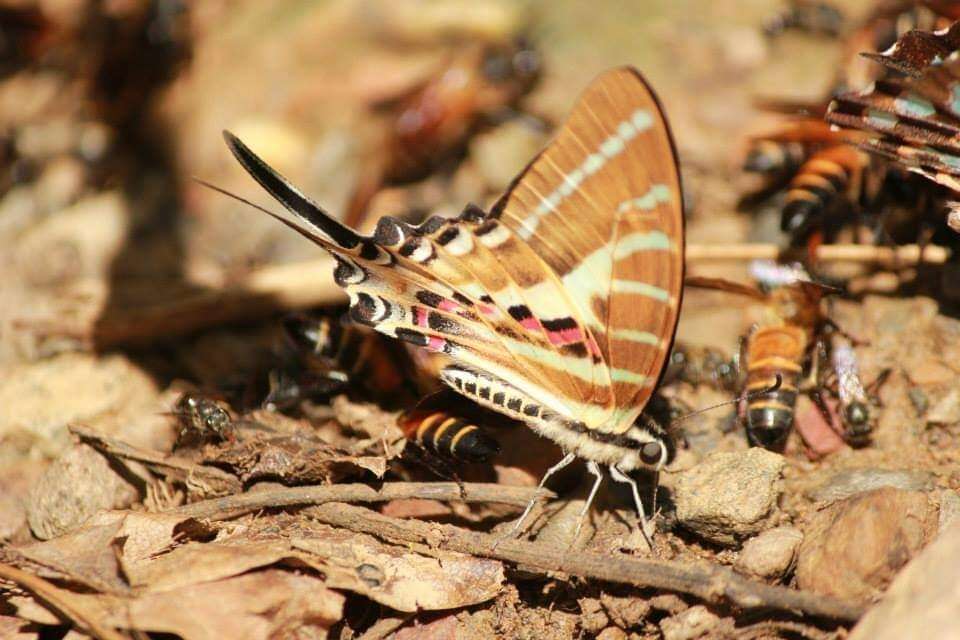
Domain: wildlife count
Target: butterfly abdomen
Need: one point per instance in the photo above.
(448, 436)
(773, 353)
(774, 158)
(828, 177)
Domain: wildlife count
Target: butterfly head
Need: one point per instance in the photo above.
(649, 446)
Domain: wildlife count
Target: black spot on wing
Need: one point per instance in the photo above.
(473, 213)
(411, 336)
(559, 324)
(448, 236)
(520, 312)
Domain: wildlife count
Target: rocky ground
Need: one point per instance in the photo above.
(126, 285)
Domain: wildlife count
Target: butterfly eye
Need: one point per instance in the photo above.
(857, 414)
(651, 452)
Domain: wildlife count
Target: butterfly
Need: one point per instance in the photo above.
(915, 121)
(556, 307)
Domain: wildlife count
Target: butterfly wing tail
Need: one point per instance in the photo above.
(305, 209)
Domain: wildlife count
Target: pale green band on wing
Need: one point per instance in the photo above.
(658, 194)
(625, 375)
(641, 241)
(914, 105)
(881, 119)
(640, 288)
(633, 335)
(954, 102)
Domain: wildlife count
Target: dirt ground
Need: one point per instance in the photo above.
(128, 284)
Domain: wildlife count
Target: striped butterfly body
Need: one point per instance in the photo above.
(558, 306)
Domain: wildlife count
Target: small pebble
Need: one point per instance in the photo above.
(949, 510)
(612, 633)
(853, 548)
(770, 554)
(695, 622)
(593, 618)
(729, 496)
(625, 611)
(850, 482)
(75, 487)
(923, 601)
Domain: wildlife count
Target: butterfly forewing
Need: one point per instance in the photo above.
(601, 207)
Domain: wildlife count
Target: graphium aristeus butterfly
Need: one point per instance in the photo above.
(558, 306)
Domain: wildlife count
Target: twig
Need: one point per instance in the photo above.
(711, 584)
(384, 627)
(906, 255)
(233, 506)
(278, 288)
(60, 601)
(163, 464)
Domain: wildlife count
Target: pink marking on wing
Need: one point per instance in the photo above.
(566, 336)
(487, 309)
(530, 323)
(436, 344)
(448, 305)
(420, 316)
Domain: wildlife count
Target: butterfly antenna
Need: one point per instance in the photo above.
(209, 185)
(743, 397)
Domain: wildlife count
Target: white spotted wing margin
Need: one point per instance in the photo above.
(564, 299)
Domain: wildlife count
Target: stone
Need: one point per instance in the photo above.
(924, 600)
(729, 496)
(853, 548)
(850, 482)
(75, 487)
(949, 510)
(593, 618)
(625, 611)
(695, 622)
(771, 554)
(612, 633)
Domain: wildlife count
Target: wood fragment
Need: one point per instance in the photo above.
(712, 584)
(165, 465)
(237, 505)
(889, 257)
(384, 627)
(60, 601)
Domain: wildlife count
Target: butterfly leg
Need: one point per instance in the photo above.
(566, 460)
(595, 470)
(645, 524)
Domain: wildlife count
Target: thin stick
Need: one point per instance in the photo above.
(709, 583)
(902, 256)
(167, 465)
(233, 506)
(60, 601)
(384, 627)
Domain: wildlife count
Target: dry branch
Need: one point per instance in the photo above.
(59, 601)
(712, 584)
(278, 288)
(889, 257)
(166, 465)
(233, 506)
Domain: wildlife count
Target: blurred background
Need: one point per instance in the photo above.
(114, 261)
